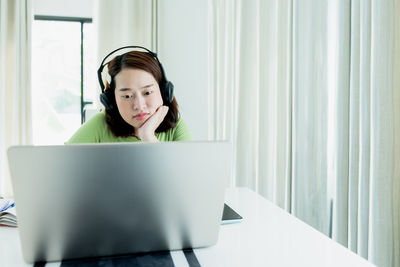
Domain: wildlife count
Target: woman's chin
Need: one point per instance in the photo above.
(134, 123)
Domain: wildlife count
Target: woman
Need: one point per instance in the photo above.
(139, 105)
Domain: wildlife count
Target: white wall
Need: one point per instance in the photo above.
(63, 8)
(183, 51)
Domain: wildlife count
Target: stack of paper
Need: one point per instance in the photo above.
(8, 215)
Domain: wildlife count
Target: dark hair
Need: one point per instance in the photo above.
(143, 61)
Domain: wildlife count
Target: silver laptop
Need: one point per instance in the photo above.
(82, 201)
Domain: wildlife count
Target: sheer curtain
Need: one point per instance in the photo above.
(124, 22)
(308, 91)
(121, 23)
(239, 110)
(15, 96)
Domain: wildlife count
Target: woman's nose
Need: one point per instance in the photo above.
(139, 103)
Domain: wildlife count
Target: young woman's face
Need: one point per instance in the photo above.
(137, 95)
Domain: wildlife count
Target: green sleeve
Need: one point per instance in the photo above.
(91, 131)
(182, 132)
(96, 131)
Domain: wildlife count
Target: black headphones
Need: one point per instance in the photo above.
(166, 87)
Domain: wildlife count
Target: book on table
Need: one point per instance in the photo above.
(8, 215)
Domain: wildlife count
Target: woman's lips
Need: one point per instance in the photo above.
(141, 116)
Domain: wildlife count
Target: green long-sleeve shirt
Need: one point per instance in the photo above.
(96, 131)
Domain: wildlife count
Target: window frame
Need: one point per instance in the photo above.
(82, 21)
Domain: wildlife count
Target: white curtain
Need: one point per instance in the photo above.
(239, 110)
(122, 23)
(309, 92)
(125, 22)
(15, 95)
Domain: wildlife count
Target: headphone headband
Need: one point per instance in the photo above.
(102, 64)
(166, 87)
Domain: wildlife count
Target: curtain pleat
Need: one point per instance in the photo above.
(310, 200)
(395, 183)
(383, 201)
(247, 110)
(223, 88)
(15, 94)
(365, 127)
(354, 129)
(339, 55)
(275, 105)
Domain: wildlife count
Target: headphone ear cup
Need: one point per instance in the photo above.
(169, 92)
(105, 100)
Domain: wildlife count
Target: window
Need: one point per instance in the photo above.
(63, 76)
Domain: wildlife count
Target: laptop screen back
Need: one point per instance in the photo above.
(80, 201)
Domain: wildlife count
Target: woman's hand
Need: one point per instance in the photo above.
(146, 132)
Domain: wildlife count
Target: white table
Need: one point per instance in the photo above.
(267, 236)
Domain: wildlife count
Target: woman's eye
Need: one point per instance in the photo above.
(148, 92)
(126, 96)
